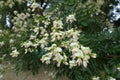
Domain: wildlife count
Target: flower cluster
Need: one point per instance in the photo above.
(56, 33)
(35, 5)
(71, 18)
(64, 47)
(63, 41)
(19, 21)
(39, 37)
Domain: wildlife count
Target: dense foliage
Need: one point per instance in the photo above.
(73, 37)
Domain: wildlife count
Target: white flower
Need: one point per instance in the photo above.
(57, 35)
(70, 18)
(27, 44)
(72, 63)
(111, 78)
(79, 61)
(11, 41)
(14, 53)
(86, 50)
(57, 24)
(65, 59)
(30, 50)
(54, 45)
(65, 44)
(36, 30)
(96, 78)
(53, 39)
(19, 35)
(85, 62)
(58, 58)
(1, 76)
(93, 55)
(46, 23)
(75, 35)
(86, 57)
(58, 49)
(2, 43)
(34, 6)
(43, 42)
(78, 54)
(15, 12)
(1, 31)
(26, 51)
(32, 37)
(75, 50)
(46, 58)
(35, 45)
(118, 68)
(74, 44)
(46, 35)
(69, 33)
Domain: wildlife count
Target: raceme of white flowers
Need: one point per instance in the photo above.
(19, 20)
(39, 38)
(66, 43)
(64, 47)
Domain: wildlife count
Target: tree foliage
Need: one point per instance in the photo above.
(35, 25)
